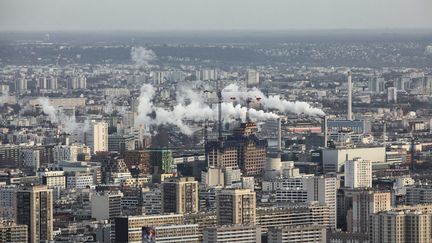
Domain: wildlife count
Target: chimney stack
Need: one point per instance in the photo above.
(349, 115)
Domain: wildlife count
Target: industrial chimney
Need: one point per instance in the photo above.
(349, 115)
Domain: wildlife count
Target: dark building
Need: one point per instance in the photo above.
(242, 149)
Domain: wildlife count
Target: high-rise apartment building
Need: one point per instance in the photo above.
(243, 150)
(364, 204)
(358, 173)
(401, 227)
(97, 137)
(236, 206)
(11, 232)
(180, 195)
(35, 209)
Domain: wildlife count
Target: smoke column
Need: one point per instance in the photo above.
(196, 110)
(68, 123)
(271, 102)
(142, 56)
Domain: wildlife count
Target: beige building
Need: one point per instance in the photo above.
(232, 233)
(13, 233)
(297, 234)
(35, 209)
(180, 195)
(364, 204)
(401, 227)
(129, 229)
(236, 206)
(97, 137)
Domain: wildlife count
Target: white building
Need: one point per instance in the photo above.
(252, 78)
(52, 178)
(97, 137)
(334, 159)
(304, 189)
(69, 152)
(79, 180)
(358, 173)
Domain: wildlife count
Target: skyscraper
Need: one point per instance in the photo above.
(180, 195)
(236, 206)
(35, 209)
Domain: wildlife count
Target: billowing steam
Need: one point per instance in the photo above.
(68, 123)
(142, 56)
(275, 102)
(190, 106)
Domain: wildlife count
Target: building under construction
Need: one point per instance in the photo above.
(243, 149)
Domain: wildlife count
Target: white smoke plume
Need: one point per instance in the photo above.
(68, 123)
(270, 102)
(195, 110)
(142, 56)
(48, 109)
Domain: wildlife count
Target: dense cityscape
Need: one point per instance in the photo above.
(216, 136)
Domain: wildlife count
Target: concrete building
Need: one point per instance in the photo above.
(232, 233)
(79, 180)
(364, 204)
(29, 159)
(252, 78)
(121, 143)
(8, 202)
(334, 159)
(180, 195)
(69, 152)
(306, 189)
(236, 206)
(292, 215)
(129, 229)
(11, 232)
(213, 177)
(392, 95)
(97, 137)
(35, 210)
(418, 194)
(139, 159)
(358, 173)
(106, 206)
(401, 227)
(297, 234)
(243, 150)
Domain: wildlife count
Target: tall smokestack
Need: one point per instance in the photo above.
(349, 115)
(324, 127)
(279, 135)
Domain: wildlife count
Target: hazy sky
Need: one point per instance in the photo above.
(36, 15)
